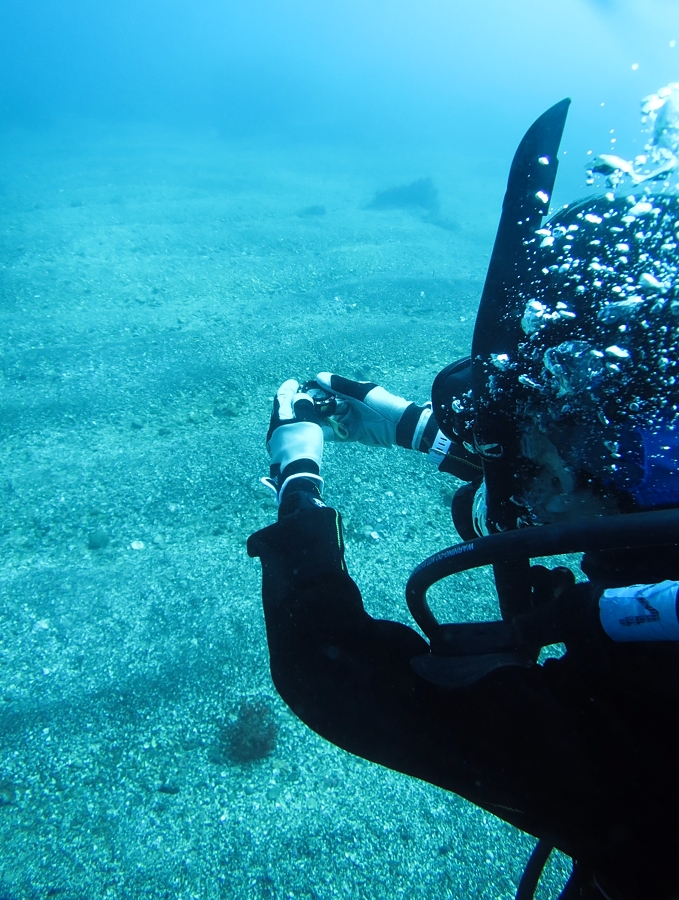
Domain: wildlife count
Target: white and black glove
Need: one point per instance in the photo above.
(295, 445)
(369, 414)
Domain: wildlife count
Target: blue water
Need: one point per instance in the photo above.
(184, 224)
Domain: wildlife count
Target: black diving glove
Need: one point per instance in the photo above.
(295, 445)
(371, 415)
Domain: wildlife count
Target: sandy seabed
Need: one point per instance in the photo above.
(154, 291)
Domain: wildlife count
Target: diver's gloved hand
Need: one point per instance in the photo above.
(371, 415)
(295, 445)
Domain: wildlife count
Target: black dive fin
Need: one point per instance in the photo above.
(512, 273)
(529, 190)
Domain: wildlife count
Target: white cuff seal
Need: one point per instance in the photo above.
(422, 423)
(317, 478)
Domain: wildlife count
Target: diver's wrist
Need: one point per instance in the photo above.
(641, 612)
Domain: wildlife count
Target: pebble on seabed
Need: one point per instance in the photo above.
(98, 539)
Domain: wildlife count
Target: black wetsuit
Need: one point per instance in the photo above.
(579, 751)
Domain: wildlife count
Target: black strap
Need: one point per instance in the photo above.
(533, 871)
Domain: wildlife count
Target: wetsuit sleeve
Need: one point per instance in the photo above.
(349, 677)
(342, 672)
(530, 745)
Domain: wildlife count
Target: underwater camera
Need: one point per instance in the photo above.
(325, 403)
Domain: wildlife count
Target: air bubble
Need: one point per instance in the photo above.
(617, 352)
(640, 208)
(648, 280)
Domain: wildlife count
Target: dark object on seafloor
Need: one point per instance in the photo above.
(421, 194)
(250, 738)
(98, 540)
(8, 793)
(309, 212)
(168, 788)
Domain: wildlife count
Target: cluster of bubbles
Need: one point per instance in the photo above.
(660, 116)
(606, 306)
(595, 382)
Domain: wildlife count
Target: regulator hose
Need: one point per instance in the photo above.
(643, 529)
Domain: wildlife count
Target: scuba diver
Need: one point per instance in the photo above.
(563, 425)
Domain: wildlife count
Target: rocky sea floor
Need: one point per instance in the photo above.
(154, 291)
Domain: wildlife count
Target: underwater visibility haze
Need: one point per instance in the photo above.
(199, 200)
